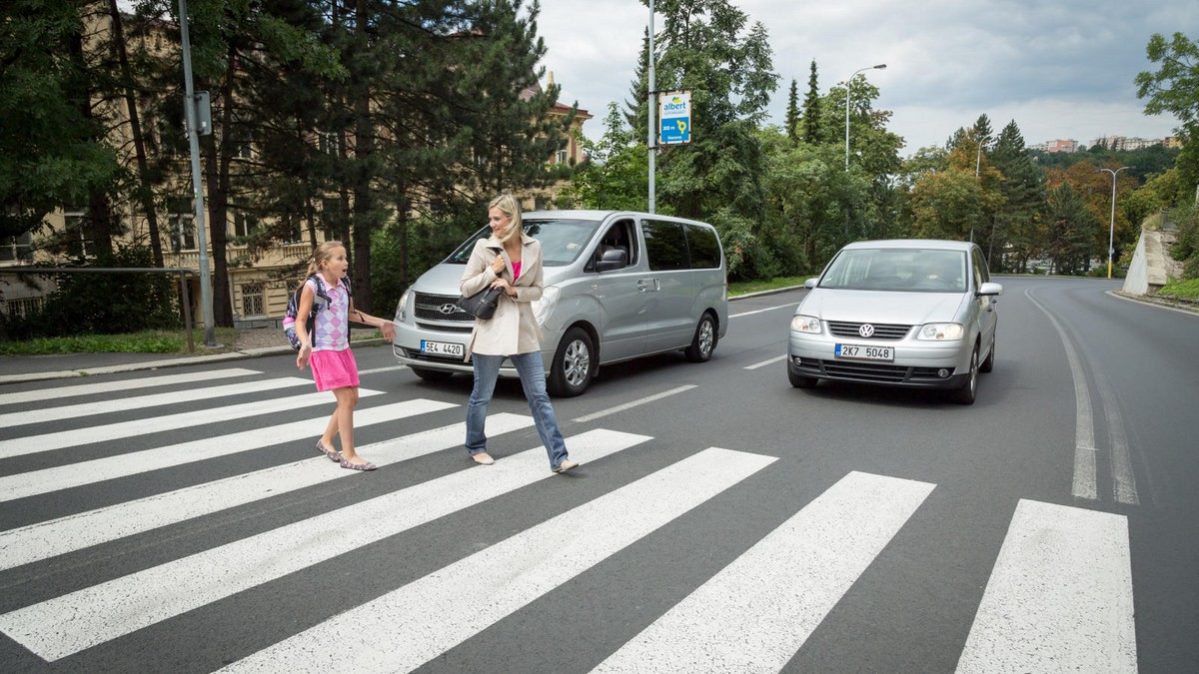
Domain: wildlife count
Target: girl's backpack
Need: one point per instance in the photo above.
(320, 301)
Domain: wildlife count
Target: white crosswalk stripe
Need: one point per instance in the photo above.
(1059, 596)
(424, 618)
(57, 392)
(743, 620)
(146, 401)
(126, 429)
(132, 463)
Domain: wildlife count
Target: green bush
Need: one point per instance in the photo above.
(1186, 245)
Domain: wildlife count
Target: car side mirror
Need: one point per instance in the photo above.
(990, 289)
(811, 283)
(612, 259)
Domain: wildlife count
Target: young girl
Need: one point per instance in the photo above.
(328, 348)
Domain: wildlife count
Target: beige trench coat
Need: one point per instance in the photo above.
(512, 329)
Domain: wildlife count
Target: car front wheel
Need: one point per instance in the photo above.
(800, 381)
(966, 394)
(704, 341)
(573, 366)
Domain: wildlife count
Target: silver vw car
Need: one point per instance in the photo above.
(916, 313)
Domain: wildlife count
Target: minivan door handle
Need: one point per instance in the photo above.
(646, 285)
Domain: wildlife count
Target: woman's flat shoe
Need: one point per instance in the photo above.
(483, 458)
(358, 466)
(566, 465)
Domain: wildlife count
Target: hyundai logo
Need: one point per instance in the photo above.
(447, 308)
(867, 330)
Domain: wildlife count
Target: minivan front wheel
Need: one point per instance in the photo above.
(572, 368)
(704, 341)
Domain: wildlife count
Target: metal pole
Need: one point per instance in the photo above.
(193, 141)
(1111, 232)
(848, 96)
(652, 103)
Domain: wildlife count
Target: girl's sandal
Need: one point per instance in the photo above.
(358, 466)
(333, 454)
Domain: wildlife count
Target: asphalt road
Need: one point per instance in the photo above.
(178, 526)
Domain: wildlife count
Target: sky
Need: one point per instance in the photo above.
(1062, 69)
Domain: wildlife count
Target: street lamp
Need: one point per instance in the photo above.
(848, 91)
(978, 156)
(1111, 232)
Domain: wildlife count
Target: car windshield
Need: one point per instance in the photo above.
(561, 240)
(897, 269)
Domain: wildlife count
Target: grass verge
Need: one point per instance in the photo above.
(1182, 290)
(746, 287)
(147, 341)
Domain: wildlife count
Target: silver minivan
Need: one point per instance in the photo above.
(618, 285)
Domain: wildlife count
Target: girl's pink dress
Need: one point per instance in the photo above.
(332, 361)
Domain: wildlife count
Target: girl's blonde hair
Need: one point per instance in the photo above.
(511, 208)
(323, 252)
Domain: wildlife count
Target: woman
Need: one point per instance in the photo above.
(511, 261)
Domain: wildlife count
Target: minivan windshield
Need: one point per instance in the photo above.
(561, 240)
(897, 269)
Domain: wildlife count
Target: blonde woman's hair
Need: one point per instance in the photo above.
(323, 252)
(511, 208)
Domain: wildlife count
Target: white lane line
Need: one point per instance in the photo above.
(1084, 422)
(758, 311)
(47, 480)
(377, 370)
(73, 622)
(75, 532)
(32, 444)
(764, 363)
(635, 403)
(1156, 305)
(1124, 483)
(755, 613)
(1059, 598)
(143, 402)
(124, 385)
(417, 622)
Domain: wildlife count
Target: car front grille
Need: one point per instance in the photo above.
(881, 330)
(868, 372)
(440, 308)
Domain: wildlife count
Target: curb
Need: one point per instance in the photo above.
(1181, 307)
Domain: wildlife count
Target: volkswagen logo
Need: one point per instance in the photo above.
(866, 330)
(447, 308)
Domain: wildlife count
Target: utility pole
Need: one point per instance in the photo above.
(652, 104)
(193, 141)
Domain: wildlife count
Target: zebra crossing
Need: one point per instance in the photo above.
(1059, 594)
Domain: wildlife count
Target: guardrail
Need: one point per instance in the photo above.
(183, 273)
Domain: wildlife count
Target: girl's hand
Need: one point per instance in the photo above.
(497, 265)
(303, 355)
(388, 328)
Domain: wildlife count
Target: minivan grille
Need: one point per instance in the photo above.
(439, 308)
(881, 330)
(870, 372)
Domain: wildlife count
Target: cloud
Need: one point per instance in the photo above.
(1062, 69)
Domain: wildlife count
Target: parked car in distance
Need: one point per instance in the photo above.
(618, 285)
(916, 313)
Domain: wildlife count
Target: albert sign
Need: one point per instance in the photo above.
(674, 113)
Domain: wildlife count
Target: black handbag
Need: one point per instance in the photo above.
(482, 304)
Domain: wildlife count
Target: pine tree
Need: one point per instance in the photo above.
(636, 113)
(1018, 219)
(811, 108)
(793, 118)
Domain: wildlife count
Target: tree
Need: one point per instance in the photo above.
(1174, 88)
(811, 108)
(1016, 224)
(1070, 234)
(615, 178)
(793, 117)
(636, 112)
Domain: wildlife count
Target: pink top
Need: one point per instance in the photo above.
(515, 270)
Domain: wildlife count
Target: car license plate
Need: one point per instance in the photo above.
(863, 352)
(441, 348)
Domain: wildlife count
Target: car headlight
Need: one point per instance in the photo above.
(402, 307)
(544, 306)
(940, 331)
(809, 324)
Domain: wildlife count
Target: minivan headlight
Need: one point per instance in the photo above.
(940, 331)
(402, 307)
(543, 307)
(806, 324)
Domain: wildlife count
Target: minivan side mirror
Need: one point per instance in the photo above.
(612, 259)
(811, 283)
(990, 289)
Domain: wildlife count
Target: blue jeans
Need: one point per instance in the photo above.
(532, 379)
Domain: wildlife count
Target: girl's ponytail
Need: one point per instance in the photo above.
(323, 252)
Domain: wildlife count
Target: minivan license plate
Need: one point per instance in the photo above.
(441, 348)
(863, 352)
